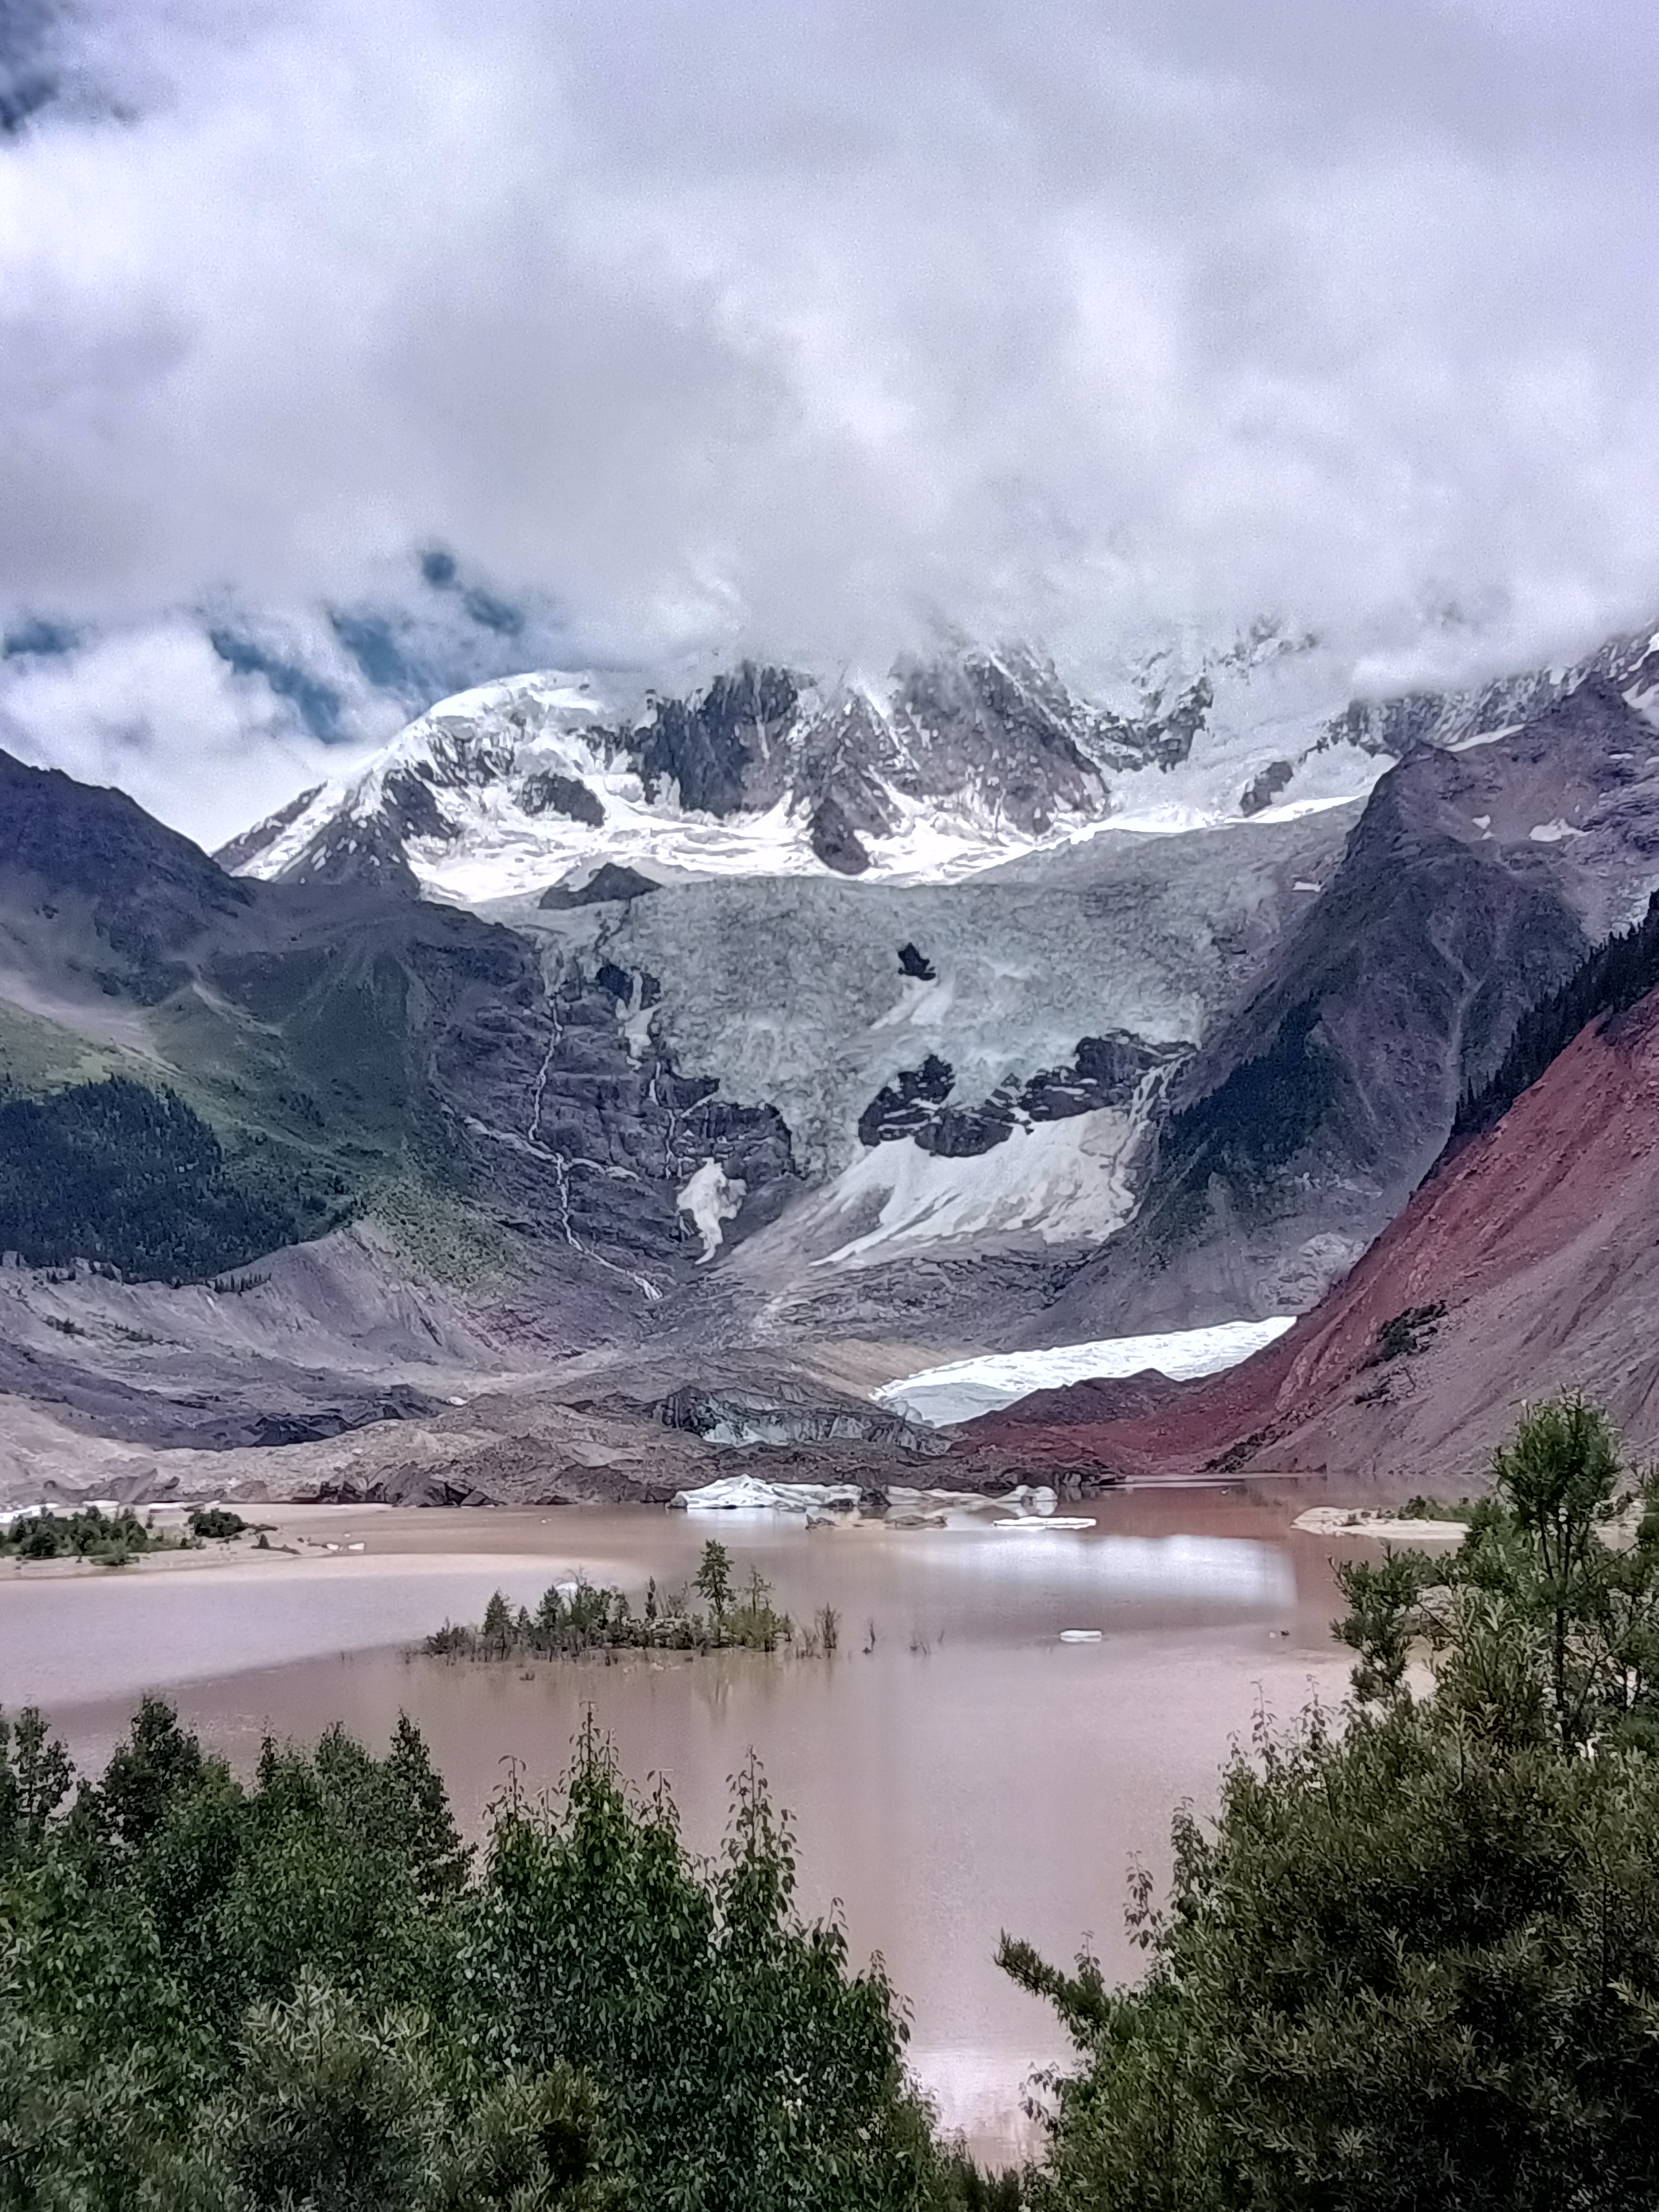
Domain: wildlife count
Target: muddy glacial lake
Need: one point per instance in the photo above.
(959, 1766)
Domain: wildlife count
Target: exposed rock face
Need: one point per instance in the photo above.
(606, 886)
(595, 1141)
(738, 1416)
(1106, 1071)
(835, 841)
(550, 793)
(1263, 788)
(912, 1105)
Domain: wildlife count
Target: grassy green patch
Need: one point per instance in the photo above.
(441, 1236)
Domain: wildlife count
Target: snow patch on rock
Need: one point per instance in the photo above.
(1053, 1183)
(711, 1198)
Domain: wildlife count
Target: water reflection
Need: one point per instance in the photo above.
(1205, 1571)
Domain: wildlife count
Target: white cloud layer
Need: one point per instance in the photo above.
(800, 326)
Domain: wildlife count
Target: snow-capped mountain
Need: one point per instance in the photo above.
(921, 928)
(945, 767)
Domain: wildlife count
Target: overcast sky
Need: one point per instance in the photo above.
(799, 326)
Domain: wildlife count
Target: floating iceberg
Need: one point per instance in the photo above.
(1050, 1521)
(736, 1493)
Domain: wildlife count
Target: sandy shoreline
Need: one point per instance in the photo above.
(1367, 1522)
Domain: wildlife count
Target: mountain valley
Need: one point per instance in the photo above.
(435, 1139)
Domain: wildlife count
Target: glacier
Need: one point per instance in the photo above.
(940, 1396)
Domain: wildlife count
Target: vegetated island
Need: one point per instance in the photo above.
(572, 1620)
(1419, 1521)
(111, 1539)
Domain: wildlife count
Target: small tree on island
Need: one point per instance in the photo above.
(498, 1622)
(713, 1579)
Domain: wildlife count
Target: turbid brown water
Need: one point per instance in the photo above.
(954, 1770)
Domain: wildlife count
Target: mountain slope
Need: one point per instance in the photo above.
(1527, 1262)
(298, 1048)
(1472, 884)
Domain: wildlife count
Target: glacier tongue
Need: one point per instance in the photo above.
(968, 1387)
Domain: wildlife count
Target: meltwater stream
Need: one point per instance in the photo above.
(956, 1769)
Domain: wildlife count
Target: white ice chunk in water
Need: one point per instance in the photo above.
(735, 1493)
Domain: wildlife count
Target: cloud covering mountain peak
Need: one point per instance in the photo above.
(798, 329)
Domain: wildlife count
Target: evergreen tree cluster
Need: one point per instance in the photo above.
(1612, 978)
(307, 1995)
(132, 1178)
(1258, 1118)
(1414, 1961)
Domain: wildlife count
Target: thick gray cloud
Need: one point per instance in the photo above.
(803, 327)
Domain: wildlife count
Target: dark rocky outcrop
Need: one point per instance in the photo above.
(1265, 787)
(1106, 1071)
(736, 1416)
(835, 841)
(909, 1104)
(706, 745)
(608, 883)
(547, 792)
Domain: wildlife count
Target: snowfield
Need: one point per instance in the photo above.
(1056, 1182)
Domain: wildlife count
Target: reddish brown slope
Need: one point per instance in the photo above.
(1542, 1238)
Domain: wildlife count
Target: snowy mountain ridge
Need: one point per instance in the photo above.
(945, 768)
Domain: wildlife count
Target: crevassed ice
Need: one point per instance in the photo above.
(967, 1387)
